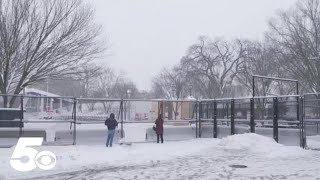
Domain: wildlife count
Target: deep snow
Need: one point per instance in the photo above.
(192, 159)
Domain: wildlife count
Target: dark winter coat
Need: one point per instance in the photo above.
(159, 126)
(111, 122)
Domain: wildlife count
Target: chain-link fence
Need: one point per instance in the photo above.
(68, 120)
(37, 116)
(276, 117)
(311, 120)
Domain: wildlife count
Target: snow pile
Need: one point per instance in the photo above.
(249, 141)
(254, 143)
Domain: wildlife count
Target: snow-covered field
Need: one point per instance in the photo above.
(192, 159)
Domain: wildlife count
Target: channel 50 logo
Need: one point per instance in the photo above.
(25, 158)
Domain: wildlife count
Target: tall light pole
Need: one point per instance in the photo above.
(128, 96)
(190, 90)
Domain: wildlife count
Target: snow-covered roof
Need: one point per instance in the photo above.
(38, 91)
(190, 98)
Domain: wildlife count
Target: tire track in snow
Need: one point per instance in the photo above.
(212, 165)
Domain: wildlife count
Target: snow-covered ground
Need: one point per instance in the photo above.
(313, 142)
(192, 159)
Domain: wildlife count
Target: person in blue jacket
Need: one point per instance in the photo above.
(111, 123)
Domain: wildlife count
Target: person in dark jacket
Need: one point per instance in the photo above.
(159, 128)
(111, 123)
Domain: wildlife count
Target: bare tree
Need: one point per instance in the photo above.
(171, 84)
(296, 34)
(41, 39)
(124, 88)
(103, 87)
(105, 82)
(157, 91)
(88, 77)
(211, 65)
(121, 86)
(261, 59)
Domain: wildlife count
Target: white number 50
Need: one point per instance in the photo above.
(25, 158)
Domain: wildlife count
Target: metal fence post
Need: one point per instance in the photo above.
(232, 117)
(212, 110)
(200, 116)
(75, 121)
(121, 116)
(275, 119)
(300, 124)
(196, 107)
(207, 110)
(298, 100)
(252, 124)
(302, 114)
(298, 108)
(215, 124)
(21, 117)
(227, 106)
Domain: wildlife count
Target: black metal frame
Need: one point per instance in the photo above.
(121, 118)
(21, 116)
(200, 116)
(252, 123)
(277, 79)
(275, 119)
(215, 123)
(273, 78)
(232, 118)
(74, 121)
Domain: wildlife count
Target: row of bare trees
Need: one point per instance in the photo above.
(93, 81)
(98, 81)
(58, 39)
(217, 67)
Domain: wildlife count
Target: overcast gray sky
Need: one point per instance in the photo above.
(147, 35)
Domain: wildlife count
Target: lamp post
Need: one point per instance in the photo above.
(128, 96)
(173, 93)
(190, 90)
